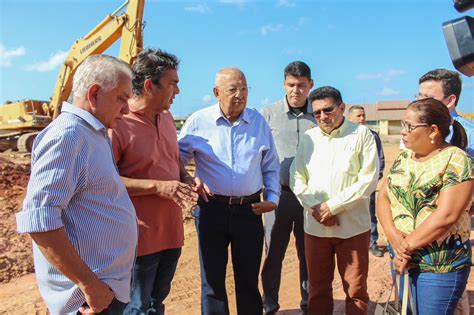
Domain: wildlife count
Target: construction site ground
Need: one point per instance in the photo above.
(19, 293)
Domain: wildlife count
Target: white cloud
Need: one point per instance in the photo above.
(383, 76)
(386, 91)
(239, 3)
(299, 24)
(285, 3)
(48, 65)
(271, 28)
(200, 8)
(7, 55)
(207, 99)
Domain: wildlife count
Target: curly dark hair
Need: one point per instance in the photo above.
(151, 64)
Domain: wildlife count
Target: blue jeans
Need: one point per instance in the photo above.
(437, 293)
(374, 234)
(152, 276)
(115, 307)
(219, 225)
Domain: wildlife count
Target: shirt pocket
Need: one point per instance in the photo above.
(347, 160)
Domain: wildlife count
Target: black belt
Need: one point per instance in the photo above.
(232, 201)
(286, 188)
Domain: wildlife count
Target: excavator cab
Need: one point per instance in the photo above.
(23, 114)
(21, 121)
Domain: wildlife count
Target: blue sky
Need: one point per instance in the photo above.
(369, 49)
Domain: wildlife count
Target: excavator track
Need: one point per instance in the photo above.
(25, 142)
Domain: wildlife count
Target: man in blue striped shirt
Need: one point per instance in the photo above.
(77, 210)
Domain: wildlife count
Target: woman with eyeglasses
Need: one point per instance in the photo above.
(423, 208)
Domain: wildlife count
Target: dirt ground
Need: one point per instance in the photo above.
(19, 294)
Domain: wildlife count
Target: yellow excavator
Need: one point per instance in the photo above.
(21, 121)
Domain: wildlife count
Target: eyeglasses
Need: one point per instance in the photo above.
(233, 90)
(410, 127)
(420, 96)
(327, 111)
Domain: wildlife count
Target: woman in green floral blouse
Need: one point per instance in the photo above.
(423, 208)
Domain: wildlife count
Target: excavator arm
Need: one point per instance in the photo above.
(127, 25)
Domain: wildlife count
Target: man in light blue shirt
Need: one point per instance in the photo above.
(77, 210)
(236, 157)
(445, 86)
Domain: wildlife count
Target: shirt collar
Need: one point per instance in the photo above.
(309, 108)
(342, 128)
(454, 113)
(85, 115)
(217, 114)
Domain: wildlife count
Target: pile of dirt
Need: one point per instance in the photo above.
(15, 249)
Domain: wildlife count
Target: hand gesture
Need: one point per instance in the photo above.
(333, 220)
(400, 264)
(323, 215)
(262, 207)
(98, 297)
(182, 194)
(399, 244)
(200, 188)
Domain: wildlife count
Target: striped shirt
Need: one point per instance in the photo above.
(75, 185)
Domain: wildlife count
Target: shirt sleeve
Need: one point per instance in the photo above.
(116, 144)
(186, 152)
(299, 176)
(265, 113)
(367, 177)
(271, 171)
(469, 129)
(57, 173)
(458, 170)
(380, 153)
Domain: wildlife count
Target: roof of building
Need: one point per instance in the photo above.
(384, 110)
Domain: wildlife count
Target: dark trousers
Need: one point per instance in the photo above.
(219, 225)
(374, 234)
(152, 276)
(115, 307)
(279, 224)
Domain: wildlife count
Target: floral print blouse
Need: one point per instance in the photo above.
(413, 189)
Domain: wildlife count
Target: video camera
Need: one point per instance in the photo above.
(459, 35)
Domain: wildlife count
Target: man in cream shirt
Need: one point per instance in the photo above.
(334, 172)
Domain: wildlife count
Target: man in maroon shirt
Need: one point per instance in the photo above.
(146, 151)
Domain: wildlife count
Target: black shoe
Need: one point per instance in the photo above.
(376, 251)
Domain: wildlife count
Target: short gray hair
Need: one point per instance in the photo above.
(103, 70)
(225, 72)
(355, 107)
